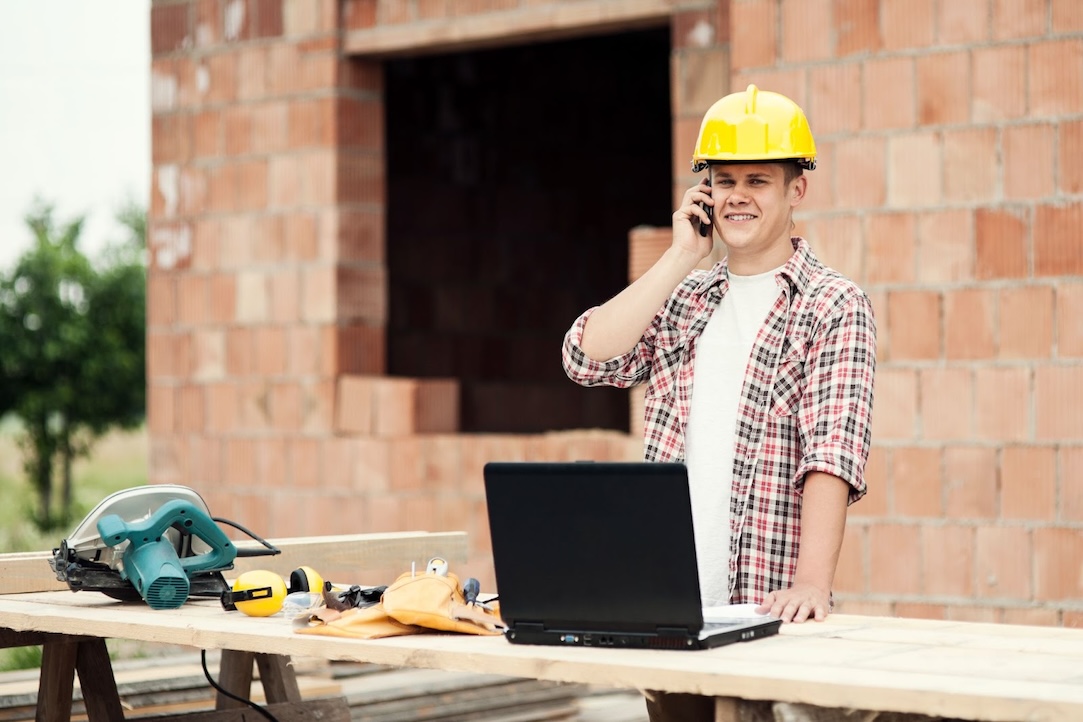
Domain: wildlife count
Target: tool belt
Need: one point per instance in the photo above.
(414, 604)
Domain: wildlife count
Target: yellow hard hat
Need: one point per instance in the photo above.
(257, 593)
(754, 125)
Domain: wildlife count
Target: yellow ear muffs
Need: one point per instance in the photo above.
(305, 579)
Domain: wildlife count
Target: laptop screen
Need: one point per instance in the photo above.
(593, 545)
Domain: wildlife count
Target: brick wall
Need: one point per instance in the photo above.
(947, 187)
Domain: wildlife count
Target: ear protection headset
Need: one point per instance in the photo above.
(260, 593)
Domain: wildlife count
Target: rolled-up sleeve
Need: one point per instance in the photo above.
(836, 407)
(622, 371)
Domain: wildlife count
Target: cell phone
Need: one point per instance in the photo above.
(705, 228)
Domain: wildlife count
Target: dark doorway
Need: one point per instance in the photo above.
(514, 176)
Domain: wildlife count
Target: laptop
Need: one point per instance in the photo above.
(601, 554)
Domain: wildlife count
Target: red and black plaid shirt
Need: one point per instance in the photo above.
(805, 404)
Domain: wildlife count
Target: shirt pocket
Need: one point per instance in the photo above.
(790, 382)
(667, 362)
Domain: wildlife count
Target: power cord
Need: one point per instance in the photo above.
(238, 698)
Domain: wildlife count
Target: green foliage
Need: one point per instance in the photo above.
(72, 349)
(20, 658)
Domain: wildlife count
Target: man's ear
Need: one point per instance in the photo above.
(797, 190)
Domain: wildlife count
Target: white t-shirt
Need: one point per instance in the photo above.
(722, 353)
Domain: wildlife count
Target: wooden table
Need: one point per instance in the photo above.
(952, 669)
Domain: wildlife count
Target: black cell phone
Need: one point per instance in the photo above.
(705, 228)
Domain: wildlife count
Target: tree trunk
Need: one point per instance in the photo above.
(66, 456)
(39, 465)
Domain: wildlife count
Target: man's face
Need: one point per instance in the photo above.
(753, 206)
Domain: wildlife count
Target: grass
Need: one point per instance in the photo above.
(118, 461)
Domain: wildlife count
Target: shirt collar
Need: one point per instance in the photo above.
(798, 270)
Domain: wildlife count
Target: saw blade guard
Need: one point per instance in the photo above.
(150, 560)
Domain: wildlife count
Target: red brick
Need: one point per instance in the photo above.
(1067, 16)
(895, 413)
(356, 348)
(406, 464)
(907, 24)
(970, 479)
(861, 167)
(917, 610)
(836, 99)
(223, 298)
(189, 409)
(857, 27)
(1002, 403)
(1019, 18)
(221, 77)
(943, 88)
(1028, 482)
(850, 570)
(318, 406)
(948, 560)
(192, 298)
(222, 407)
(361, 294)
(916, 482)
(891, 248)
(171, 138)
(914, 320)
(208, 354)
(1029, 161)
(267, 18)
(947, 403)
(305, 462)
(1058, 250)
(1055, 77)
(970, 165)
(205, 241)
(756, 44)
(806, 30)
(895, 559)
(1069, 319)
(963, 22)
(373, 474)
(1026, 322)
(838, 242)
(970, 324)
(1058, 392)
(169, 27)
(967, 613)
(1002, 244)
(240, 352)
(861, 607)
(161, 299)
(360, 177)
(253, 297)
(1071, 478)
(285, 405)
(355, 410)
(889, 88)
(1057, 553)
(914, 176)
(161, 412)
(1070, 149)
(875, 503)
(1030, 617)
(254, 405)
(945, 242)
(1000, 83)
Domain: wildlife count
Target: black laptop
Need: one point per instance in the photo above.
(601, 554)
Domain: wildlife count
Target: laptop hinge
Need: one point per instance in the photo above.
(673, 631)
(529, 627)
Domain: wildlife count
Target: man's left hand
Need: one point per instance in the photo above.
(797, 604)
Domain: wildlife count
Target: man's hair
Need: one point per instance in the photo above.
(792, 170)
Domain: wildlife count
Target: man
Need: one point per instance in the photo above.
(759, 371)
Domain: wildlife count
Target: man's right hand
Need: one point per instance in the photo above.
(687, 220)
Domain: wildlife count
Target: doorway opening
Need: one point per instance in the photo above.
(514, 176)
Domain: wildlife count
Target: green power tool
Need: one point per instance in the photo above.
(158, 543)
(151, 563)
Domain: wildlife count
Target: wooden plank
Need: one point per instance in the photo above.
(25, 572)
(315, 710)
(530, 23)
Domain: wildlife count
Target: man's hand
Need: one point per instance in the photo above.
(797, 604)
(686, 221)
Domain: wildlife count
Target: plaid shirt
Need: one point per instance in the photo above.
(805, 403)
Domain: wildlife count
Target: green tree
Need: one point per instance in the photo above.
(72, 348)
